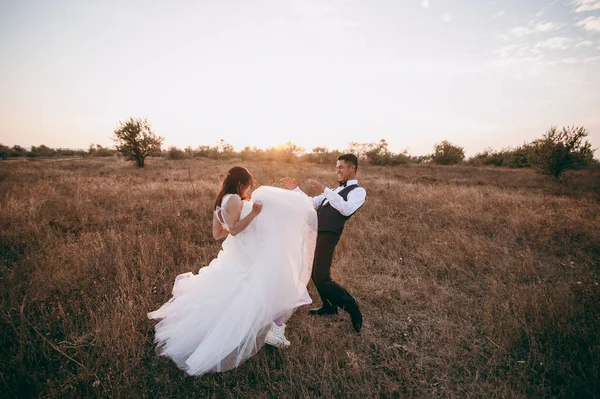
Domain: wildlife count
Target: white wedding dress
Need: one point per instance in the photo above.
(219, 317)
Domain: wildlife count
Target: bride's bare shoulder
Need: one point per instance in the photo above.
(233, 201)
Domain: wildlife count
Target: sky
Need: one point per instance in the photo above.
(479, 73)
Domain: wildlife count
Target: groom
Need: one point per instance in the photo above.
(334, 207)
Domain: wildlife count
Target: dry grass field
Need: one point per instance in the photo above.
(474, 283)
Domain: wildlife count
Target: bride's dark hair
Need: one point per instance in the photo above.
(235, 181)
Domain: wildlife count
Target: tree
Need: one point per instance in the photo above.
(251, 153)
(323, 155)
(18, 151)
(290, 152)
(378, 153)
(446, 153)
(41, 151)
(135, 140)
(381, 155)
(224, 150)
(360, 149)
(560, 150)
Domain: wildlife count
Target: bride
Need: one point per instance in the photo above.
(223, 315)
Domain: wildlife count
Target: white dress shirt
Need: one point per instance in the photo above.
(356, 198)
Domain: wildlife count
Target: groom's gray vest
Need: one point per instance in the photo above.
(330, 219)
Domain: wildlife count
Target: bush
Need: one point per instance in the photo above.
(69, 152)
(41, 151)
(175, 154)
(322, 155)
(221, 150)
(99, 151)
(419, 158)
(561, 150)
(512, 158)
(446, 153)
(251, 154)
(361, 149)
(380, 155)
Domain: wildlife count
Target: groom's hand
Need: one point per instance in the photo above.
(315, 184)
(289, 183)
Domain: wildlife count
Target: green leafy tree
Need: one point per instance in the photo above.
(135, 140)
(446, 153)
(561, 150)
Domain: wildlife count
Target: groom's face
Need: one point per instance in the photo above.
(344, 170)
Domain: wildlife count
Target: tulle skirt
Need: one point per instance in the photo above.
(219, 317)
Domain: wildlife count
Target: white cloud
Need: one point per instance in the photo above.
(590, 60)
(539, 27)
(513, 51)
(540, 12)
(555, 43)
(586, 5)
(499, 14)
(547, 26)
(520, 31)
(520, 57)
(425, 4)
(505, 51)
(572, 60)
(446, 17)
(585, 43)
(569, 61)
(591, 24)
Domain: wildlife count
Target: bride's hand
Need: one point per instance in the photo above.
(315, 184)
(289, 183)
(256, 208)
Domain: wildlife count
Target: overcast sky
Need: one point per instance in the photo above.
(318, 73)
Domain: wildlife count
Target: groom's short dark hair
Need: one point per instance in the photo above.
(349, 158)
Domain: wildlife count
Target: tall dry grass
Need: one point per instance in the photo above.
(473, 282)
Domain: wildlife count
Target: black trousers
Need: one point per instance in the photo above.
(331, 293)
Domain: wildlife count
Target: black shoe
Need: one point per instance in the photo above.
(323, 310)
(355, 315)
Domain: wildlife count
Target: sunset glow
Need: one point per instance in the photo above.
(315, 73)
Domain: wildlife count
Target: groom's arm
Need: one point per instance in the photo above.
(316, 201)
(356, 198)
(291, 185)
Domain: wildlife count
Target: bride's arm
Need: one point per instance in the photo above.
(218, 230)
(233, 210)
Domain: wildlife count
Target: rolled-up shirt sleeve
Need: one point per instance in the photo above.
(316, 201)
(356, 198)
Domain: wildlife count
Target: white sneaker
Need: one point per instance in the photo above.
(276, 336)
